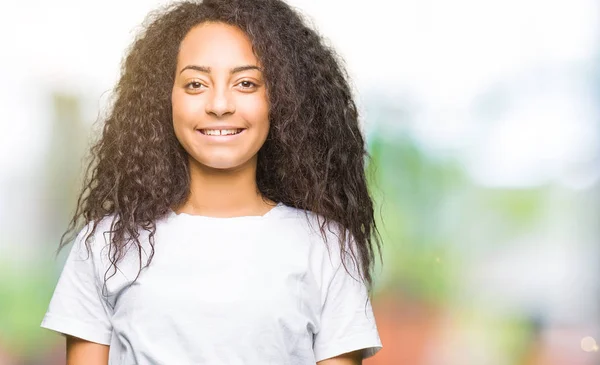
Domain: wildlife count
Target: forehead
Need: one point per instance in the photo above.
(216, 45)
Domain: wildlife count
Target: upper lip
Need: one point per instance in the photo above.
(220, 127)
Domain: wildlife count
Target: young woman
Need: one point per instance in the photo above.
(225, 218)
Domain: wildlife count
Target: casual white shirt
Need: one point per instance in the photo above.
(243, 290)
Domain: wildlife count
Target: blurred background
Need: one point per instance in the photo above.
(483, 122)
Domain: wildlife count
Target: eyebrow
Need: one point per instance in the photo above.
(232, 71)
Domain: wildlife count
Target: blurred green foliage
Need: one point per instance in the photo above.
(414, 194)
(25, 293)
(432, 217)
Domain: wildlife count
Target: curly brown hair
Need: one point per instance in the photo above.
(313, 159)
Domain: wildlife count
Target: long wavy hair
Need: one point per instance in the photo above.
(313, 159)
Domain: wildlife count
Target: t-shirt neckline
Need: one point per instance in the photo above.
(268, 214)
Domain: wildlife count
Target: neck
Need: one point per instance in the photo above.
(224, 193)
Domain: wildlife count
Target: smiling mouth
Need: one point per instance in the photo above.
(221, 132)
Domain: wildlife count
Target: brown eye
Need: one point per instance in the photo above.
(194, 85)
(247, 84)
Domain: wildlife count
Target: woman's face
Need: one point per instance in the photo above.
(219, 99)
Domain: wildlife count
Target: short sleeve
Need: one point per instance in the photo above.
(77, 307)
(347, 320)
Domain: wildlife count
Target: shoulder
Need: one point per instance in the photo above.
(324, 239)
(94, 235)
(93, 247)
(93, 242)
(308, 224)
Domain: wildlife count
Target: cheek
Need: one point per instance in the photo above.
(256, 111)
(184, 108)
(265, 118)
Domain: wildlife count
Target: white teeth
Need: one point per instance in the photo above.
(220, 132)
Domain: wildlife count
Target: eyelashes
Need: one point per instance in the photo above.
(245, 85)
(252, 85)
(194, 85)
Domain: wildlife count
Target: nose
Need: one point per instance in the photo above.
(220, 102)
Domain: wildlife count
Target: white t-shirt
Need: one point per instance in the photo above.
(243, 290)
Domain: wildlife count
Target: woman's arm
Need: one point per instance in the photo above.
(82, 352)
(351, 358)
